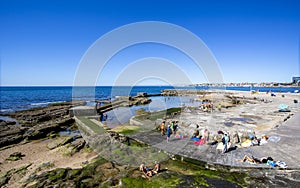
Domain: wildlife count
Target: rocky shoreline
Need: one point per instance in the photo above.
(35, 154)
(36, 123)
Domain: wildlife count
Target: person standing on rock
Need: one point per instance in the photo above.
(175, 126)
(205, 135)
(225, 141)
(169, 132)
(172, 127)
(105, 116)
(163, 128)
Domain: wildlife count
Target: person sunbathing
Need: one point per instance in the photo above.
(156, 168)
(147, 172)
(254, 160)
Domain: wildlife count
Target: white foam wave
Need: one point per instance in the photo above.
(40, 104)
(6, 110)
(45, 103)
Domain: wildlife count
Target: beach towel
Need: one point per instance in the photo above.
(220, 146)
(246, 143)
(180, 136)
(274, 139)
(200, 142)
(195, 139)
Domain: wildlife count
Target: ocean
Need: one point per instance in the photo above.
(22, 98)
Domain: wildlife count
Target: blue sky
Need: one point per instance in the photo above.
(42, 42)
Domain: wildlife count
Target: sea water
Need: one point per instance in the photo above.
(22, 98)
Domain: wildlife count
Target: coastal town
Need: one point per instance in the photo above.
(295, 82)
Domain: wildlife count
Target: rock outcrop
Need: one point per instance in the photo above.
(36, 123)
(10, 133)
(54, 112)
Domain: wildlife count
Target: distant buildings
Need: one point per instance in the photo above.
(295, 83)
(296, 80)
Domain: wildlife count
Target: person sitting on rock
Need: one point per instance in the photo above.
(263, 140)
(196, 134)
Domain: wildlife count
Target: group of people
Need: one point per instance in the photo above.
(200, 137)
(206, 107)
(249, 140)
(222, 138)
(252, 140)
(170, 129)
(149, 172)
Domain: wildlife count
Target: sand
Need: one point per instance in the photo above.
(36, 153)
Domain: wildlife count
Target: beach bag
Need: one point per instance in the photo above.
(281, 164)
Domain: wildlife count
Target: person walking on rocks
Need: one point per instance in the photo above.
(169, 131)
(225, 141)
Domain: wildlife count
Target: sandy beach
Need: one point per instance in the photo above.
(39, 159)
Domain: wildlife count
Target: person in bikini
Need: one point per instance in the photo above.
(156, 168)
(147, 172)
(255, 160)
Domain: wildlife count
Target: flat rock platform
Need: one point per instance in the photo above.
(287, 149)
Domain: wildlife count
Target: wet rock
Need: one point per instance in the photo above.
(41, 130)
(39, 115)
(36, 123)
(10, 133)
(15, 156)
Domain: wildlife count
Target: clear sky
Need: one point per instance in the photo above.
(42, 42)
